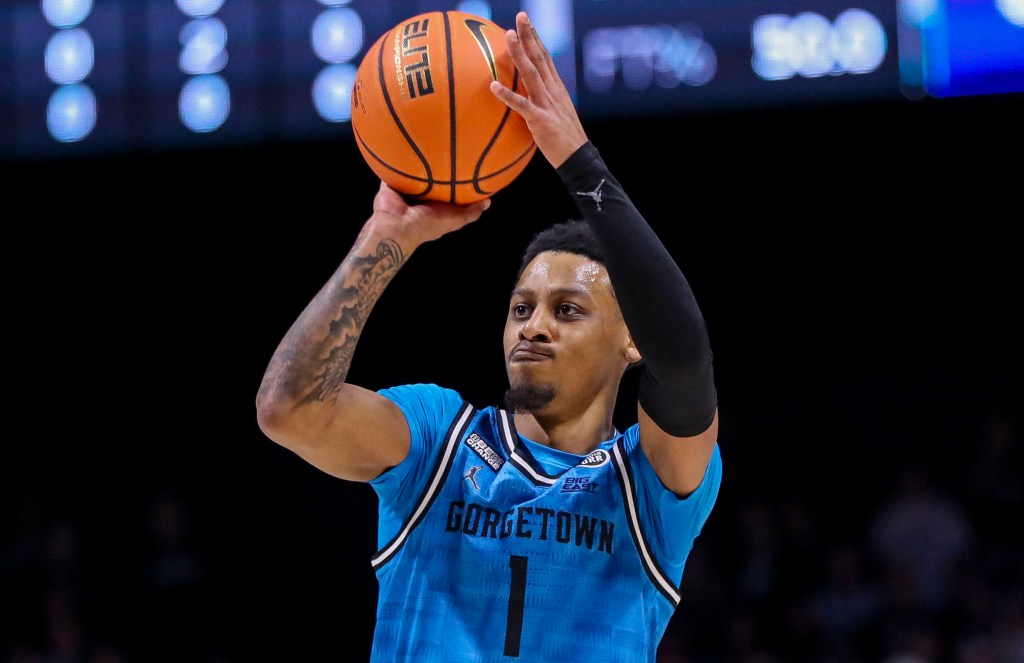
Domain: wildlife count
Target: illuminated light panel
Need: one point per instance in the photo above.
(203, 47)
(477, 8)
(952, 48)
(65, 13)
(199, 8)
(647, 55)
(71, 113)
(332, 92)
(337, 35)
(204, 103)
(811, 46)
(69, 56)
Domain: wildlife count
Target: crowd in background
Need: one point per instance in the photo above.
(933, 573)
(923, 564)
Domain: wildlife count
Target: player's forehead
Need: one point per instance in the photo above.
(560, 271)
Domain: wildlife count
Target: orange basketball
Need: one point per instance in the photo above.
(424, 117)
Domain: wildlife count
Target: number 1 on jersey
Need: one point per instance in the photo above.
(516, 605)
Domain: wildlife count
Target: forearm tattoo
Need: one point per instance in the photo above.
(316, 355)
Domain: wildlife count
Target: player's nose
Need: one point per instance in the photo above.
(537, 327)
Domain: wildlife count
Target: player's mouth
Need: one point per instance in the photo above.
(529, 351)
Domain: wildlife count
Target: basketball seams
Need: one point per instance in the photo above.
(428, 179)
(477, 178)
(452, 109)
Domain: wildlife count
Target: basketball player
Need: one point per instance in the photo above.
(532, 531)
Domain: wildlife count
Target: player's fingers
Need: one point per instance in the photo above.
(457, 222)
(539, 90)
(479, 208)
(527, 70)
(513, 100)
(389, 200)
(534, 48)
(529, 78)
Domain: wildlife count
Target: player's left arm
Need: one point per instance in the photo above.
(678, 402)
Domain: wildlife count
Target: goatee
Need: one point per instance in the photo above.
(528, 398)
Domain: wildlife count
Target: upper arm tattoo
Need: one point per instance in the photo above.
(316, 354)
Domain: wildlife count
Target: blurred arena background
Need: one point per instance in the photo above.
(840, 182)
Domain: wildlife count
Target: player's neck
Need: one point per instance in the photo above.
(579, 435)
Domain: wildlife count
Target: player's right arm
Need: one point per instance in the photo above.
(305, 402)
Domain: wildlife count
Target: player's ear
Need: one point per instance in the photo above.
(632, 354)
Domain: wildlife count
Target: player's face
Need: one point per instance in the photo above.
(564, 329)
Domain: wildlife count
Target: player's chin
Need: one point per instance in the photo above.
(520, 370)
(529, 396)
(526, 379)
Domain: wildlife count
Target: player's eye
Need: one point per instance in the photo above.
(568, 309)
(520, 310)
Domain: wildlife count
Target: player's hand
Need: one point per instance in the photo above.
(547, 107)
(417, 222)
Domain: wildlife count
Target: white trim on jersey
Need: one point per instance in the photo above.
(666, 585)
(516, 459)
(451, 444)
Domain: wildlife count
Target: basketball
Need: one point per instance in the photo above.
(424, 117)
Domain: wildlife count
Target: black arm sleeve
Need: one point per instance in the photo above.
(677, 387)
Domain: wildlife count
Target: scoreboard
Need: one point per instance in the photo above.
(83, 77)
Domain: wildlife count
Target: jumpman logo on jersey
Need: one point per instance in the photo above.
(595, 194)
(471, 475)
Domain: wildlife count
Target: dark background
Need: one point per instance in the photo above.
(859, 270)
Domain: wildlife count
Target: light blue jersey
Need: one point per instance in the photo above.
(494, 548)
